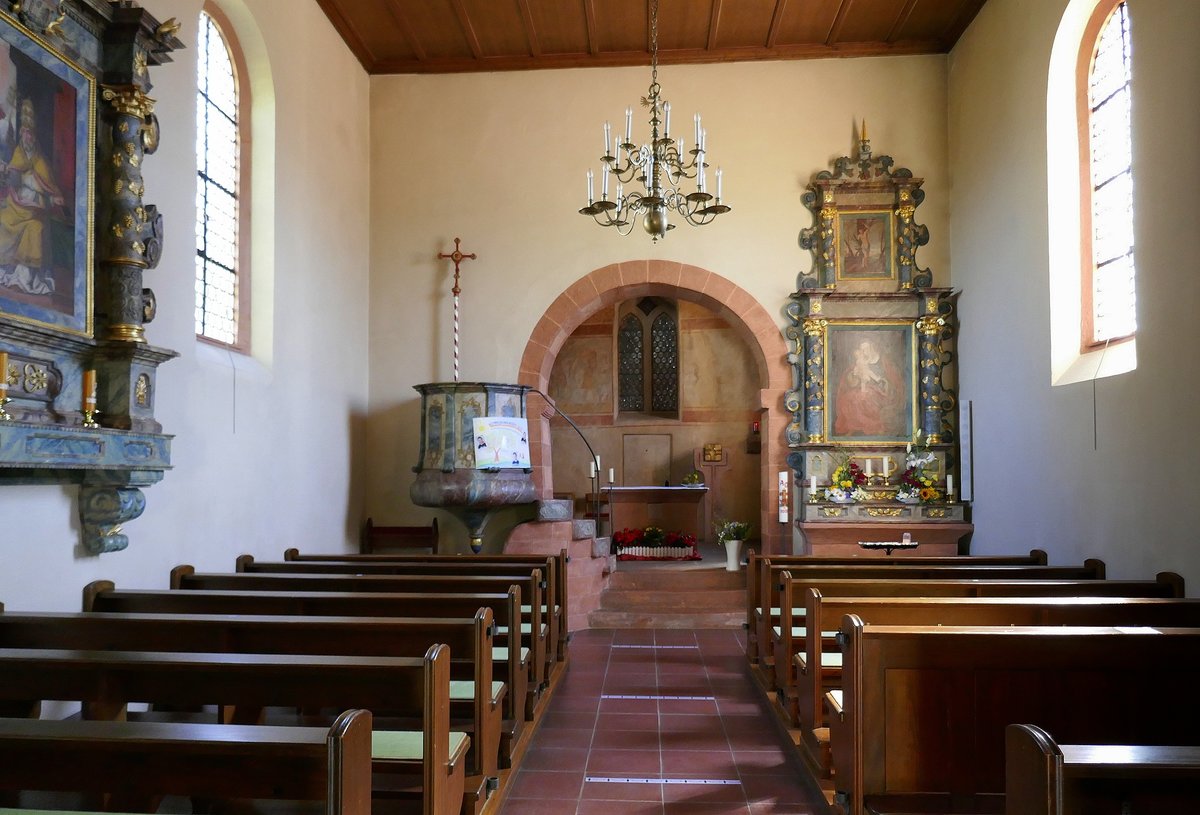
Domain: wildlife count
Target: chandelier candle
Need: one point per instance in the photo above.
(662, 165)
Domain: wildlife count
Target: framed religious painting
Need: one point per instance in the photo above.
(865, 235)
(870, 381)
(47, 144)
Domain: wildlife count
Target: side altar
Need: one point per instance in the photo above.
(874, 413)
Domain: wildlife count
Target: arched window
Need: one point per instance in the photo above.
(1108, 291)
(222, 273)
(648, 357)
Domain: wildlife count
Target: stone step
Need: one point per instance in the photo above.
(709, 600)
(605, 618)
(666, 579)
(582, 528)
(555, 509)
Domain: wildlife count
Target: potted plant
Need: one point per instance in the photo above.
(732, 534)
(846, 483)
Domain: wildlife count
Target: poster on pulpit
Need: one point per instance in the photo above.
(501, 441)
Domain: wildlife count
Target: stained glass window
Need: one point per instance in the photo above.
(664, 364)
(218, 273)
(1111, 285)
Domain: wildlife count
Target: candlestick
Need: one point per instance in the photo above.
(4, 414)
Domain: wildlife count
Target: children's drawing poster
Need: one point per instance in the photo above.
(501, 441)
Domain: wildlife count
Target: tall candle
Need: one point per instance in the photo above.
(612, 476)
(869, 470)
(89, 390)
(812, 485)
(886, 462)
(591, 469)
(949, 484)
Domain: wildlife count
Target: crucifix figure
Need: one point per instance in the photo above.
(458, 257)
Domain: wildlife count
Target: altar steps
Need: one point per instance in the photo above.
(672, 595)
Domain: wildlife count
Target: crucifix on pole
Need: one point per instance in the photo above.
(458, 257)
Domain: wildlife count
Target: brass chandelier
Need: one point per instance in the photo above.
(661, 166)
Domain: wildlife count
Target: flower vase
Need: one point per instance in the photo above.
(733, 555)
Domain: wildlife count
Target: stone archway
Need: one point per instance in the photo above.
(639, 278)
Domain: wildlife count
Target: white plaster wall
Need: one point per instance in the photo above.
(499, 160)
(1120, 487)
(264, 449)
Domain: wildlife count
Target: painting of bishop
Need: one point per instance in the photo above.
(37, 183)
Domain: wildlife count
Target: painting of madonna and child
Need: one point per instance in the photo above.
(870, 382)
(44, 184)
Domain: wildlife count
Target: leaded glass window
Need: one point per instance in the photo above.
(1111, 288)
(648, 357)
(664, 364)
(630, 358)
(219, 280)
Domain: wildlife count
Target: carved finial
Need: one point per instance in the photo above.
(168, 29)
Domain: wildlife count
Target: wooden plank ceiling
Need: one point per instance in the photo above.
(452, 36)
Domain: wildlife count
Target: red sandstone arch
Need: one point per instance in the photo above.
(639, 278)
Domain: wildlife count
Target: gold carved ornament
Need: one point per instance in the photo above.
(832, 512)
(935, 513)
(815, 328)
(128, 99)
(885, 512)
(141, 390)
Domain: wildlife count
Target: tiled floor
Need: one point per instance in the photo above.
(659, 722)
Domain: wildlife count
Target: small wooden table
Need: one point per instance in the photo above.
(670, 508)
(835, 539)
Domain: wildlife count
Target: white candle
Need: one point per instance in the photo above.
(886, 462)
(703, 141)
(696, 121)
(607, 135)
(869, 470)
(666, 118)
(949, 484)
(620, 193)
(700, 181)
(604, 183)
(718, 185)
(812, 485)
(597, 463)
(589, 180)
(592, 469)
(612, 475)
(628, 125)
(616, 150)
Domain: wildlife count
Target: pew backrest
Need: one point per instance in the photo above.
(924, 708)
(145, 760)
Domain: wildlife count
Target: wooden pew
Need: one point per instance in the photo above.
(246, 684)
(551, 610)
(1046, 778)
(187, 578)
(920, 723)
(142, 761)
(558, 569)
(788, 641)
(824, 613)
(405, 538)
(509, 665)
(755, 563)
(772, 586)
(475, 698)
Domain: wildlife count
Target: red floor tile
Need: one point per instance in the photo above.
(593, 791)
(558, 759)
(626, 740)
(695, 763)
(545, 784)
(642, 763)
(627, 721)
(619, 808)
